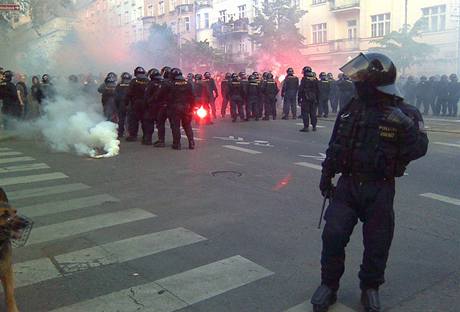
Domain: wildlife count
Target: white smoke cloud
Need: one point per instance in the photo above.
(77, 125)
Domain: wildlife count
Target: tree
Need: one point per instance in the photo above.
(276, 32)
(198, 53)
(403, 48)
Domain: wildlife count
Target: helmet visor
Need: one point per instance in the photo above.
(357, 68)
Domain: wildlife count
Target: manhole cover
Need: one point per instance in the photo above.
(226, 174)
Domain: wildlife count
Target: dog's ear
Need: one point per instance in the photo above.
(3, 197)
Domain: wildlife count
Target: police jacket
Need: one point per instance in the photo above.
(152, 97)
(423, 90)
(107, 90)
(290, 86)
(182, 99)
(346, 88)
(9, 94)
(366, 144)
(324, 89)
(224, 88)
(121, 92)
(235, 90)
(136, 92)
(244, 88)
(309, 90)
(211, 88)
(442, 90)
(201, 92)
(254, 89)
(454, 91)
(270, 88)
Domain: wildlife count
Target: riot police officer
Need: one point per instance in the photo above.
(162, 108)
(324, 86)
(254, 95)
(152, 98)
(442, 93)
(375, 137)
(11, 108)
(334, 95)
(289, 91)
(213, 93)
(423, 94)
(224, 91)
(121, 102)
(454, 95)
(308, 99)
(410, 90)
(236, 96)
(181, 108)
(270, 90)
(201, 93)
(346, 90)
(107, 90)
(135, 97)
(244, 88)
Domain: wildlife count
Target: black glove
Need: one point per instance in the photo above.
(396, 116)
(325, 185)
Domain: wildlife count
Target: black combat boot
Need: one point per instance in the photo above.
(176, 147)
(370, 300)
(323, 298)
(191, 144)
(159, 144)
(265, 118)
(131, 139)
(304, 130)
(314, 129)
(284, 118)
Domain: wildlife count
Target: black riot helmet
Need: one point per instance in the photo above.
(290, 71)
(207, 75)
(139, 71)
(154, 73)
(453, 78)
(228, 76)
(323, 76)
(165, 72)
(252, 78)
(423, 78)
(190, 76)
(256, 74)
(242, 75)
(110, 79)
(375, 69)
(234, 77)
(113, 75)
(330, 76)
(269, 76)
(175, 73)
(198, 77)
(45, 78)
(307, 69)
(126, 76)
(8, 75)
(265, 75)
(444, 78)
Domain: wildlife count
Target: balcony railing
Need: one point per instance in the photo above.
(344, 45)
(344, 5)
(240, 26)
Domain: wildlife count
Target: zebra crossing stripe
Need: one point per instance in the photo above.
(126, 250)
(309, 165)
(48, 190)
(35, 271)
(84, 225)
(445, 199)
(307, 307)
(10, 154)
(15, 159)
(4, 149)
(32, 178)
(177, 291)
(39, 210)
(21, 168)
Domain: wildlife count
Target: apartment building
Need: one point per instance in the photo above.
(336, 30)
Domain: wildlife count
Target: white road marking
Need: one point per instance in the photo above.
(446, 199)
(309, 165)
(15, 159)
(307, 307)
(127, 250)
(195, 138)
(32, 178)
(447, 144)
(39, 270)
(49, 190)
(177, 291)
(436, 119)
(241, 149)
(4, 149)
(48, 208)
(320, 156)
(10, 154)
(34, 271)
(21, 168)
(88, 224)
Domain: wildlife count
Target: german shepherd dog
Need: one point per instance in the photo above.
(10, 228)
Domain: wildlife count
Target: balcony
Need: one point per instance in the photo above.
(338, 6)
(232, 28)
(344, 45)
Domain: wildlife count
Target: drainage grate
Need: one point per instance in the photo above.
(226, 174)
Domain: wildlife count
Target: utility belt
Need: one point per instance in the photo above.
(366, 177)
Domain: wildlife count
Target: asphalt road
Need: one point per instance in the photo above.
(230, 226)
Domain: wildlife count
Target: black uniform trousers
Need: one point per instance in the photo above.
(290, 103)
(323, 107)
(121, 120)
(425, 103)
(223, 109)
(236, 107)
(253, 107)
(162, 115)
(177, 119)
(270, 106)
(372, 203)
(308, 112)
(453, 107)
(135, 117)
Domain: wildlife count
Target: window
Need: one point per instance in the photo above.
(223, 16)
(120, 21)
(172, 5)
(206, 20)
(161, 7)
(150, 10)
(241, 11)
(319, 33)
(434, 18)
(198, 21)
(380, 25)
(318, 1)
(187, 23)
(139, 11)
(296, 3)
(352, 29)
(126, 17)
(243, 48)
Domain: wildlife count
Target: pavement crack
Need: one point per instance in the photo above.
(136, 302)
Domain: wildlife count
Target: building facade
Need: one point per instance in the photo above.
(337, 30)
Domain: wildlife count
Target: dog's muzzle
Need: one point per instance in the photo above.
(18, 230)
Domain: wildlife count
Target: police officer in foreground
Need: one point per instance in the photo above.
(289, 91)
(308, 99)
(136, 107)
(162, 108)
(270, 90)
(375, 137)
(152, 98)
(180, 108)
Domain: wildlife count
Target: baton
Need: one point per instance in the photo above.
(322, 212)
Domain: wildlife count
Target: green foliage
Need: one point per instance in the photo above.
(403, 48)
(199, 53)
(275, 28)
